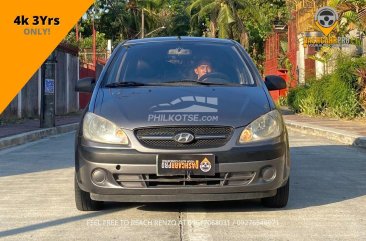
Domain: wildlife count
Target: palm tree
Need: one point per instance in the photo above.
(353, 12)
(121, 19)
(147, 7)
(223, 17)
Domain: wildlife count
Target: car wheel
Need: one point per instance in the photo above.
(280, 199)
(83, 201)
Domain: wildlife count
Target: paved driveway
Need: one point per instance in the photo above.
(327, 201)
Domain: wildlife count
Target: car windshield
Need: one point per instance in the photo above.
(177, 63)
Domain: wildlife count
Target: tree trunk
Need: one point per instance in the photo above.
(231, 32)
(213, 29)
(244, 39)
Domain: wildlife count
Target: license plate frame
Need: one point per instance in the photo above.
(183, 164)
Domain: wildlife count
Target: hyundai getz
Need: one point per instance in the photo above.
(181, 119)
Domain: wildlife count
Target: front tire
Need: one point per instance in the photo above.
(280, 199)
(83, 201)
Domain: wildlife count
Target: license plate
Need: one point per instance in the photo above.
(171, 164)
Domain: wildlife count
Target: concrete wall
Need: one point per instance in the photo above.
(72, 78)
(27, 103)
(29, 97)
(12, 108)
(60, 84)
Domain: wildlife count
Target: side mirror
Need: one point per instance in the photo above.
(274, 82)
(85, 85)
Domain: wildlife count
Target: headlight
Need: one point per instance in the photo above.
(265, 127)
(99, 129)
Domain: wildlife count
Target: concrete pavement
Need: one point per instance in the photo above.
(327, 197)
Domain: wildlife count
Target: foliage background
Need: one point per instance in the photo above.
(247, 21)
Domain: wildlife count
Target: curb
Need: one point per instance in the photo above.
(329, 133)
(35, 135)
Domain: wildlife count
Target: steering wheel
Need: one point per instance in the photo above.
(213, 75)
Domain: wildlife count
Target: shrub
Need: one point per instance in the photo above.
(295, 96)
(346, 69)
(338, 94)
(282, 101)
(343, 92)
(342, 99)
(313, 103)
(308, 99)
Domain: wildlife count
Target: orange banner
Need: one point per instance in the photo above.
(30, 31)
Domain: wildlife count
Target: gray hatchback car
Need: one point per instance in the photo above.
(181, 119)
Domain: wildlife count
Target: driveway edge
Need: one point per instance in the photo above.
(329, 133)
(30, 136)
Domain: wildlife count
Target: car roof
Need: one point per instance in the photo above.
(178, 38)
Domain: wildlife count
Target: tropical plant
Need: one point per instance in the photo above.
(148, 8)
(224, 21)
(259, 20)
(324, 55)
(173, 15)
(349, 11)
(295, 96)
(70, 39)
(361, 75)
(121, 19)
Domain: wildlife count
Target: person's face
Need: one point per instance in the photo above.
(202, 70)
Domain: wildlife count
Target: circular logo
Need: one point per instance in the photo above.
(184, 137)
(326, 17)
(205, 165)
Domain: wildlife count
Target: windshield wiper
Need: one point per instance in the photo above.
(175, 82)
(124, 84)
(195, 82)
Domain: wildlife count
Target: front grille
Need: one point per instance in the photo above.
(205, 137)
(154, 181)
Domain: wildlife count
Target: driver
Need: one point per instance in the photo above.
(203, 67)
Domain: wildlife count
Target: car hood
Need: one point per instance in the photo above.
(130, 108)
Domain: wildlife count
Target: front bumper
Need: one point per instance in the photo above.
(183, 197)
(137, 167)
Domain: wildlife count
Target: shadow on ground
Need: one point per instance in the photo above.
(55, 152)
(51, 223)
(320, 175)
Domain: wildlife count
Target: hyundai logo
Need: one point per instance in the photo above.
(184, 137)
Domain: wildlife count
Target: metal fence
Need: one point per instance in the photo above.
(87, 56)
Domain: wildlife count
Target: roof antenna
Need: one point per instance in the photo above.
(179, 38)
